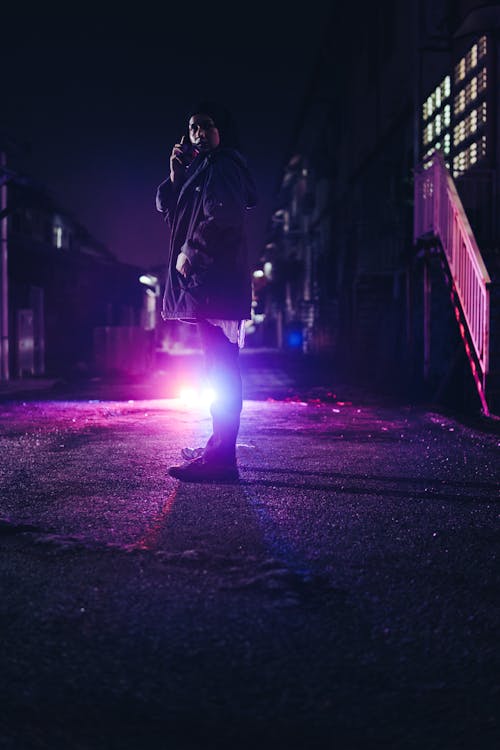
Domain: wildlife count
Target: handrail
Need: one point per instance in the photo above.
(439, 212)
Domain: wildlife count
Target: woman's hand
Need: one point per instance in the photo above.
(177, 164)
(183, 264)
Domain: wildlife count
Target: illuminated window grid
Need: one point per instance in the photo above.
(469, 156)
(470, 92)
(436, 99)
(427, 158)
(469, 125)
(470, 61)
(438, 125)
(436, 114)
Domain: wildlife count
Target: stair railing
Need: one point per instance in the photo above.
(439, 213)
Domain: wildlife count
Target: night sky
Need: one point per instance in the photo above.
(100, 97)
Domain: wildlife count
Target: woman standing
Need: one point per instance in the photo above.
(208, 281)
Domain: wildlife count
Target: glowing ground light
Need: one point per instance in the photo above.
(194, 397)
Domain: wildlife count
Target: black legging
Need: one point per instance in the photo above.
(223, 373)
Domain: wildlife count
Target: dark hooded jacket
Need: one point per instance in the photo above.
(206, 215)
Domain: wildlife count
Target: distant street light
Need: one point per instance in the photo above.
(151, 310)
(148, 279)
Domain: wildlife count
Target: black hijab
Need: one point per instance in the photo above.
(223, 121)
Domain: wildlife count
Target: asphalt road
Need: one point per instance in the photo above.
(343, 595)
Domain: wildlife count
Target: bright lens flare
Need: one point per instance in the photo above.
(192, 397)
(187, 396)
(208, 396)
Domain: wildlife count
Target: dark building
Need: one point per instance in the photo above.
(72, 308)
(362, 266)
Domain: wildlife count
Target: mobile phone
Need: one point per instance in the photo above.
(187, 151)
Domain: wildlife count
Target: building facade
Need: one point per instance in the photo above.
(67, 301)
(394, 84)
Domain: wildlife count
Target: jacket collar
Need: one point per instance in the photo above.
(198, 168)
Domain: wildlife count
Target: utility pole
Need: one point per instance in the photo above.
(4, 278)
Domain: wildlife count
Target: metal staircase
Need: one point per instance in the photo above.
(440, 221)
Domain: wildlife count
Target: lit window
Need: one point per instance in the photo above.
(482, 47)
(430, 108)
(460, 71)
(482, 79)
(459, 102)
(427, 158)
(473, 121)
(473, 56)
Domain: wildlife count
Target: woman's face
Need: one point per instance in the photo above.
(203, 133)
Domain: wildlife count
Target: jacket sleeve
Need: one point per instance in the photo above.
(166, 197)
(224, 202)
